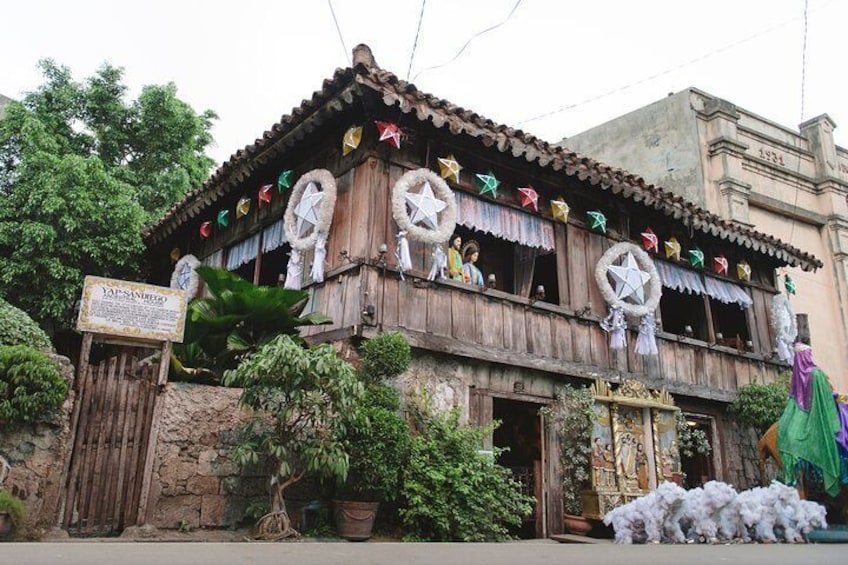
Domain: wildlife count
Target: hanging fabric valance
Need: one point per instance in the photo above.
(214, 260)
(274, 236)
(243, 252)
(503, 222)
(691, 282)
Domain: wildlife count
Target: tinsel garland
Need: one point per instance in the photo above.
(404, 261)
(615, 324)
(447, 219)
(319, 258)
(439, 263)
(646, 341)
(294, 271)
(785, 327)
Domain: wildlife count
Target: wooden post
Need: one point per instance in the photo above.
(803, 328)
(150, 451)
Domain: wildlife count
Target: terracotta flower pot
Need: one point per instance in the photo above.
(355, 520)
(577, 525)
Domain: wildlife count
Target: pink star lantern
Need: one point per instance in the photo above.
(265, 194)
(390, 133)
(529, 198)
(650, 241)
(720, 264)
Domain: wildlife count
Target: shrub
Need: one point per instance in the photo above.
(385, 356)
(760, 406)
(15, 507)
(17, 328)
(377, 439)
(31, 386)
(452, 492)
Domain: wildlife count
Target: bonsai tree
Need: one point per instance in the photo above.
(31, 386)
(298, 397)
(12, 514)
(235, 321)
(571, 416)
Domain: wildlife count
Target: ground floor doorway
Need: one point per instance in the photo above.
(699, 468)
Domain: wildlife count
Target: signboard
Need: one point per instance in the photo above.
(130, 309)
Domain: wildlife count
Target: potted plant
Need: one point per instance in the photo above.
(571, 416)
(12, 515)
(377, 439)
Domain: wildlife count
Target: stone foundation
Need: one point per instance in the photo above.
(37, 455)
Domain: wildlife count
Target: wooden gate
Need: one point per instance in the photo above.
(112, 422)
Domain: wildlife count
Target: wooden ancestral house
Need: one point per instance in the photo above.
(500, 349)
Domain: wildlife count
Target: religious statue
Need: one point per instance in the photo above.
(471, 273)
(455, 259)
(598, 462)
(641, 467)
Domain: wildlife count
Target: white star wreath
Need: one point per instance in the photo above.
(446, 223)
(645, 263)
(327, 182)
(185, 275)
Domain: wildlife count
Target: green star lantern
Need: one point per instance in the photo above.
(224, 218)
(696, 258)
(597, 221)
(488, 184)
(284, 181)
(789, 284)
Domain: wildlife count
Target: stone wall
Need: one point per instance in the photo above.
(194, 481)
(37, 455)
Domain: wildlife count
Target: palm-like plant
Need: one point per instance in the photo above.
(235, 321)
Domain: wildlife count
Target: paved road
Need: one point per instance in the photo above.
(527, 553)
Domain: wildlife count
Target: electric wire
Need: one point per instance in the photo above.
(467, 43)
(415, 43)
(339, 30)
(803, 90)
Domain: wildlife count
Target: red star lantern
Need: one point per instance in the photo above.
(265, 194)
(205, 229)
(720, 264)
(390, 133)
(650, 241)
(529, 198)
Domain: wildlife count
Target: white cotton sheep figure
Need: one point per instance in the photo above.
(627, 522)
(750, 512)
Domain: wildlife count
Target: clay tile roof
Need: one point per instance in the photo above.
(347, 83)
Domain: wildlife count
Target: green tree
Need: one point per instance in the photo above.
(297, 397)
(81, 171)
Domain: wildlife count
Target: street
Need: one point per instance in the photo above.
(523, 553)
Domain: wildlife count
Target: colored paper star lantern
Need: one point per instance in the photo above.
(243, 207)
(425, 207)
(597, 221)
(743, 271)
(224, 218)
(175, 255)
(205, 229)
(672, 249)
(720, 265)
(352, 139)
(560, 210)
(529, 198)
(696, 258)
(266, 192)
(449, 168)
(390, 133)
(789, 284)
(307, 209)
(650, 241)
(488, 184)
(629, 280)
(284, 181)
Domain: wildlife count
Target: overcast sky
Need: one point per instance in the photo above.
(252, 61)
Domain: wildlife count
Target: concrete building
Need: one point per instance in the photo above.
(789, 184)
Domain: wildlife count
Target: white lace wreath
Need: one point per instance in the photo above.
(193, 279)
(783, 319)
(652, 300)
(447, 217)
(327, 182)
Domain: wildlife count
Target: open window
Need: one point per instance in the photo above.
(730, 324)
(684, 314)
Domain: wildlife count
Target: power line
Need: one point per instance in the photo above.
(339, 29)
(467, 43)
(415, 43)
(803, 91)
(671, 69)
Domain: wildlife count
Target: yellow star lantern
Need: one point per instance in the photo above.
(352, 139)
(175, 254)
(242, 208)
(560, 210)
(450, 168)
(672, 249)
(743, 271)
